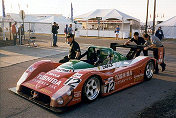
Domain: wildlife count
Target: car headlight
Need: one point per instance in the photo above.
(60, 100)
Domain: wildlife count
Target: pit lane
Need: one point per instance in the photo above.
(123, 104)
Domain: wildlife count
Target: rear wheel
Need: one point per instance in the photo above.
(91, 89)
(148, 74)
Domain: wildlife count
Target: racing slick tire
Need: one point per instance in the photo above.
(91, 89)
(149, 69)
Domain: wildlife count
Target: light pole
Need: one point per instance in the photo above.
(153, 30)
(146, 17)
(3, 17)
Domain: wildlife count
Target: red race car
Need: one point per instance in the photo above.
(102, 72)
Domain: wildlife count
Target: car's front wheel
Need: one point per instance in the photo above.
(149, 70)
(91, 89)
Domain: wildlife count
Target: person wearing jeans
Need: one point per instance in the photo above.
(55, 27)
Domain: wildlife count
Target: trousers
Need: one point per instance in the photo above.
(54, 39)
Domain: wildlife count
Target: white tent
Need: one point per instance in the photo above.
(60, 20)
(40, 23)
(169, 27)
(108, 15)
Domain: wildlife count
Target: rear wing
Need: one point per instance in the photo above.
(114, 45)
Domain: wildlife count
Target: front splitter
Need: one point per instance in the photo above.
(36, 101)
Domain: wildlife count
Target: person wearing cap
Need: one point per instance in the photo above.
(55, 27)
(139, 41)
(74, 52)
(155, 43)
(159, 33)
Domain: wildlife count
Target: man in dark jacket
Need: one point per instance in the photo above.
(159, 33)
(136, 52)
(55, 27)
(74, 52)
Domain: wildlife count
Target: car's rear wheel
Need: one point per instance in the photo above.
(91, 89)
(149, 69)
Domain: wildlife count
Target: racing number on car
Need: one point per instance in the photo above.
(73, 82)
(109, 87)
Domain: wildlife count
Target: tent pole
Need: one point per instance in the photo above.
(3, 29)
(153, 30)
(122, 28)
(29, 30)
(87, 27)
(146, 17)
(51, 37)
(10, 30)
(103, 28)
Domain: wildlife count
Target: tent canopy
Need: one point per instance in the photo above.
(51, 19)
(169, 28)
(39, 18)
(171, 22)
(106, 14)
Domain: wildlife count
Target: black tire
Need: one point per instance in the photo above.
(91, 89)
(149, 69)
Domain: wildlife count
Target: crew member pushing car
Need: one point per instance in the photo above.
(74, 52)
(155, 43)
(139, 41)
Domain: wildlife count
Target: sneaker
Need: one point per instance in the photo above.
(156, 71)
(163, 67)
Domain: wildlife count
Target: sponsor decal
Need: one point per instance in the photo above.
(46, 91)
(98, 67)
(64, 70)
(123, 80)
(30, 69)
(77, 75)
(109, 85)
(73, 82)
(107, 66)
(77, 94)
(160, 57)
(138, 77)
(77, 99)
(49, 79)
(37, 86)
(52, 74)
(29, 85)
(123, 75)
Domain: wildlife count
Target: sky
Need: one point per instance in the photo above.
(135, 8)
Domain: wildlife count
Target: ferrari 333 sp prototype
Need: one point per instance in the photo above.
(104, 71)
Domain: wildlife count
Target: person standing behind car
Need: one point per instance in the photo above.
(74, 52)
(155, 43)
(66, 32)
(139, 41)
(159, 33)
(70, 30)
(14, 32)
(55, 27)
(117, 30)
(20, 34)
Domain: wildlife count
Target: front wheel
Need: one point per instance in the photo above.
(148, 74)
(91, 89)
